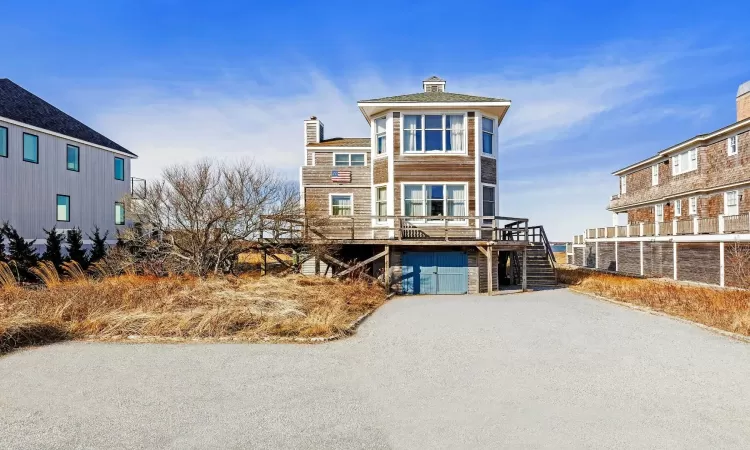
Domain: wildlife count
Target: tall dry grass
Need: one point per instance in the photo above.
(721, 308)
(180, 307)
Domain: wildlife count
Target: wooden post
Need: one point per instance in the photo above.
(400, 229)
(387, 274)
(264, 262)
(523, 269)
(352, 219)
(445, 227)
(489, 270)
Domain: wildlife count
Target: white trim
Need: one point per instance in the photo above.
(736, 201)
(432, 104)
(302, 190)
(341, 194)
(495, 138)
(694, 192)
(655, 175)
(691, 211)
(65, 136)
(391, 185)
(374, 137)
(700, 140)
(735, 237)
(722, 268)
(349, 185)
(374, 204)
(494, 192)
(445, 200)
(314, 161)
(736, 145)
(333, 156)
(322, 148)
(443, 152)
(478, 165)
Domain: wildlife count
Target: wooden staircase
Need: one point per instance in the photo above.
(540, 270)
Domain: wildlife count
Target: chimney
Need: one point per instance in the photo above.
(434, 84)
(313, 131)
(743, 101)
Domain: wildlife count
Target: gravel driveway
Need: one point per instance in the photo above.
(549, 369)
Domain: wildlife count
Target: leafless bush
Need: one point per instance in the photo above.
(737, 266)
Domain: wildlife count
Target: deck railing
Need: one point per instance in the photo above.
(737, 224)
(305, 228)
(635, 229)
(685, 227)
(649, 229)
(666, 228)
(707, 225)
(622, 231)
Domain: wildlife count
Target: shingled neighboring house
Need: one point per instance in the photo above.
(415, 202)
(55, 170)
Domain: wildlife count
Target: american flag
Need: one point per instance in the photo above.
(341, 176)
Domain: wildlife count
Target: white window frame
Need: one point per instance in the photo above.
(693, 206)
(403, 150)
(736, 202)
(349, 159)
(481, 136)
(494, 202)
(655, 175)
(733, 150)
(384, 135)
(375, 202)
(690, 157)
(340, 194)
(678, 208)
(623, 184)
(657, 208)
(438, 221)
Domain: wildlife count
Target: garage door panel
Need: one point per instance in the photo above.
(435, 273)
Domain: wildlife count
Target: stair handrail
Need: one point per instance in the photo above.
(547, 245)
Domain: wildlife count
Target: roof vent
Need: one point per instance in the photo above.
(433, 84)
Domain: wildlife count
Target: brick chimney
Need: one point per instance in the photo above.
(743, 101)
(434, 84)
(313, 130)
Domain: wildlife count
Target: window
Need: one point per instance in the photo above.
(623, 184)
(72, 158)
(488, 203)
(3, 142)
(349, 159)
(732, 145)
(654, 175)
(488, 135)
(381, 202)
(31, 148)
(380, 134)
(678, 208)
(685, 162)
(659, 212)
(63, 208)
(440, 133)
(119, 213)
(730, 203)
(693, 206)
(119, 169)
(341, 204)
(435, 200)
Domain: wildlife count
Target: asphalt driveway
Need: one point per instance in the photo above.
(549, 369)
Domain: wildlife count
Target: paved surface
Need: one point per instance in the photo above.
(543, 370)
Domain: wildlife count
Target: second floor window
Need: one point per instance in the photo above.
(732, 145)
(654, 175)
(731, 208)
(341, 205)
(3, 142)
(381, 202)
(31, 148)
(380, 134)
(693, 206)
(349, 159)
(623, 184)
(119, 169)
(488, 135)
(72, 158)
(685, 162)
(434, 133)
(678, 208)
(659, 213)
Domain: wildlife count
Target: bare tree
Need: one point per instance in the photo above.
(737, 266)
(208, 212)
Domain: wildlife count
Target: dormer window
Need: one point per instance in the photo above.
(434, 133)
(380, 134)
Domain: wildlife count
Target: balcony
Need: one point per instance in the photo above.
(695, 226)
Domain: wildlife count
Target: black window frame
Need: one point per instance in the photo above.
(123, 213)
(78, 158)
(57, 205)
(7, 149)
(23, 148)
(123, 168)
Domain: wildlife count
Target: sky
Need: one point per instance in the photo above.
(595, 85)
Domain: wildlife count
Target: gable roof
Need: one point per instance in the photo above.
(434, 78)
(16, 103)
(434, 97)
(342, 142)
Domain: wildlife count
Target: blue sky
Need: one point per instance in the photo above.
(595, 85)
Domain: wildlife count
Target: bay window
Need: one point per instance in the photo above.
(349, 159)
(380, 134)
(488, 135)
(430, 133)
(435, 200)
(685, 162)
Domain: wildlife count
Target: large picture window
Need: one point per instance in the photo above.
(488, 135)
(435, 200)
(349, 159)
(31, 148)
(443, 133)
(341, 204)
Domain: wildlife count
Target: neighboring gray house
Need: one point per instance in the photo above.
(56, 171)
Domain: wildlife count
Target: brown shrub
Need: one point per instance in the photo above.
(182, 307)
(726, 309)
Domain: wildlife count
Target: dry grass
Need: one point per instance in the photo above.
(257, 258)
(721, 308)
(561, 257)
(181, 307)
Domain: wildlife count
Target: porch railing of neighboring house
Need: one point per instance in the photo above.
(722, 224)
(137, 188)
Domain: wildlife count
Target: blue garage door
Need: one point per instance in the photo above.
(435, 273)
